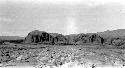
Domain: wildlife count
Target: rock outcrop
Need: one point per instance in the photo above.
(45, 38)
(55, 38)
(1, 42)
(88, 38)
(81, 39)
(71, 39)
(39, 37)
(60, 39)
(96, 39)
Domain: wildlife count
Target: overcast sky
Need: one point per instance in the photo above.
(19, 17)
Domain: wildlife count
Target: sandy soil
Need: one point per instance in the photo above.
(18, 67)
(69, 56)
(68, 65)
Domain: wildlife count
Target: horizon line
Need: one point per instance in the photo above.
(64, 34)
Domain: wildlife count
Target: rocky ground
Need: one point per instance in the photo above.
(57, 56)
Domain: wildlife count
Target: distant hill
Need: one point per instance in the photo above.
(10, 37)
(37, 36)
(113, 33)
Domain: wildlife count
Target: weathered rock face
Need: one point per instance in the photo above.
(45, 38)
(60, 39)
(55, 38)
(117, 41)
(88, 38)
(94, 38)
(81, 39)
(1, 42)
(39, 37)
(71, 39)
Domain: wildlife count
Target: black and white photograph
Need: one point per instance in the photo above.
(62, 33)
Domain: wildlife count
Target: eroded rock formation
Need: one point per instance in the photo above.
(81, 39)
(1, 42)
(39, 37)
(55, 38)
(94, 38)
(60, 39)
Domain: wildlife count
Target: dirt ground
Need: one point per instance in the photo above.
(61, 56)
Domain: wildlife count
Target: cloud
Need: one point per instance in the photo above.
(14, 33)
(71, 2)
(71, 26)
(2, 19)
(60, 18)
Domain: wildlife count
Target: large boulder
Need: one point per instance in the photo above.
(39, 37)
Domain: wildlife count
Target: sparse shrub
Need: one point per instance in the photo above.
(117, 42)
(1, 42)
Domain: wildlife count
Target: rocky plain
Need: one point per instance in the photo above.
(40, 49)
